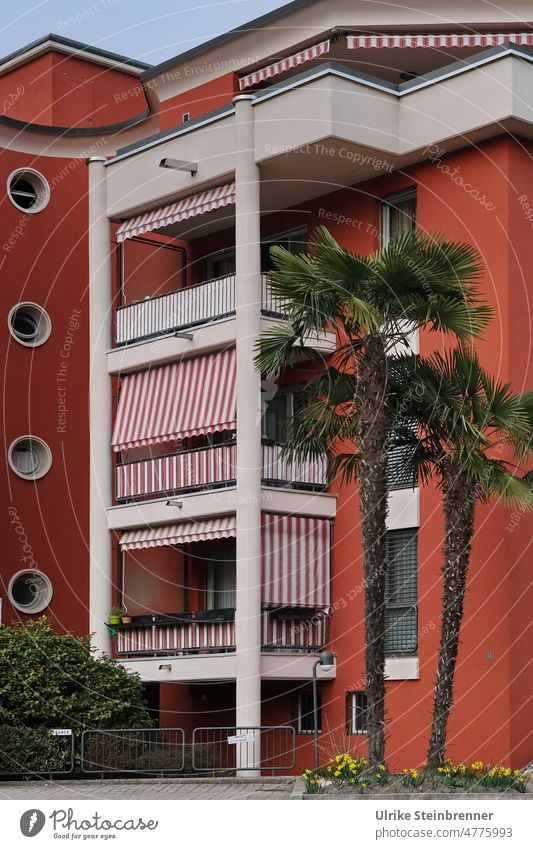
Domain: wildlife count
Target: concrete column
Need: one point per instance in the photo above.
(249, 453)
(100, 410)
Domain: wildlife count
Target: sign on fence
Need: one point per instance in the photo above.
(61, 732)
(241, 738)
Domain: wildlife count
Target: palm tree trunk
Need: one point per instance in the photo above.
(375, 423)
(459, 497)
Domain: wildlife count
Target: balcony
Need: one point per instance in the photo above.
(213, 632)
(204, 631)
(183, 309)
(210, 468)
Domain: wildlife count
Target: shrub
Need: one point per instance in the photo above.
(33, 750)
(51, 680)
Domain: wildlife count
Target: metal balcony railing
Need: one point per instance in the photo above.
(202, 468)
(188, 307)
(214, 631)
(185, 633)
(279, 471)
(207, 468)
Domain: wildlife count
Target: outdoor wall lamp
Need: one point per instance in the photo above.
(326, 661)
(175, 504)
(179, 165)
(167, 666)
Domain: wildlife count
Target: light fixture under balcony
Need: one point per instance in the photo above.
(175, 503)
(179, 165)
(166, 666)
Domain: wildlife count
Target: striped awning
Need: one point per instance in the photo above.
(462, 39)
(285, 64)
(295, 553)
(183, 399)
(180, 211)
(179, 534)
(296, 561)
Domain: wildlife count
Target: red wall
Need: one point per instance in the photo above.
(44, 260)
(63, 91)
(153, 581)
(199, 100)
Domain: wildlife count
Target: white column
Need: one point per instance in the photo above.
(100, 410)
(249, 459)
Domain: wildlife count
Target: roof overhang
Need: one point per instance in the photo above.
(58, 44)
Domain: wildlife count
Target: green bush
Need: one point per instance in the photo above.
(55, 681)
(24, 750)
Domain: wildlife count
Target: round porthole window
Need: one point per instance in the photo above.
(30, 591)
(29, 324)
(30, 457)
(28, 190)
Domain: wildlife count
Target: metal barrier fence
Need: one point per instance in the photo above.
(36, 751)
(268, 748)
(159, 751)
(138, 750)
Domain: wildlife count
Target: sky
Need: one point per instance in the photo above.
(148, 30)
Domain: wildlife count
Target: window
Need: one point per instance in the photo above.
(28, 190)
(276, 413)
(356, 703)
(29, 457)
(306, 719)
(401, 466)
(294, 241)
(30, 591)
(398, 215)
(220, 264)
(221, 584)
(401, 592)
(29, 324)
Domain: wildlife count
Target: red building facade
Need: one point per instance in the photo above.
(143, 464)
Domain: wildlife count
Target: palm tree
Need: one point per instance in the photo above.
(371, 301)
(468, 420)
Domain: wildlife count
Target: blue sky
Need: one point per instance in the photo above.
(150, 30)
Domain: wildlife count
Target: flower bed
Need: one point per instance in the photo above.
(346, 773)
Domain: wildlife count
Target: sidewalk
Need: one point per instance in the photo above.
(155, 788)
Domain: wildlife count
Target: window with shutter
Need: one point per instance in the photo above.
(401, 592)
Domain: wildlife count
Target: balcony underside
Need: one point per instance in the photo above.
(213, 336)
(217, 503)
(223, 667)
(311, 127)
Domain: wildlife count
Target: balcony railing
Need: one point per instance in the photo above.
(185, 633)
(279, 471)
(207, 468)
(202, 468)
(185, 308)
(213, 631)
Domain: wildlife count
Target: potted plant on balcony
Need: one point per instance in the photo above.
(115, 615)
(126, 618)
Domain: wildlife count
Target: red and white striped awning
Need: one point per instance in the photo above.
(183, 399)
(462, 39)
(179, 534)
(180, 211)
(296, 561)
(285, 64)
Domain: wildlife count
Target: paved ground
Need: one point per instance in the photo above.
(155, 789)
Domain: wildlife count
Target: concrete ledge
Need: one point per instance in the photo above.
(415, 797)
